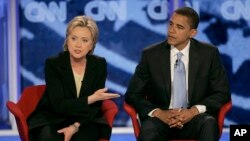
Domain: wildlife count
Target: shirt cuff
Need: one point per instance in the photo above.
(201, 108)
(151, 112)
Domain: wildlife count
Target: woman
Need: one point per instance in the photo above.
(75, 80)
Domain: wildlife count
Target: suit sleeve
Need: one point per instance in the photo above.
(135, 94)
(218, 86)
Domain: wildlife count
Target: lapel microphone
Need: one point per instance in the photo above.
(176, 63)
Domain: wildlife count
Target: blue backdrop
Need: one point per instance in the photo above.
(128, 26)
(3, 65)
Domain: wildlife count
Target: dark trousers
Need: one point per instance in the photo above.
(202, 127)
(88, 132)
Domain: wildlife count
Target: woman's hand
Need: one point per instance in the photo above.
(101, 94)
(68, 132)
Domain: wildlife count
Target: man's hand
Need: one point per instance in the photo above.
(185, 115)
(168, 117)
(176, 118)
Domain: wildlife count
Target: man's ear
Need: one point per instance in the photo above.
(193, 33)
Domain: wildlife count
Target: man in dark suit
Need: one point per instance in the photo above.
(152, 89)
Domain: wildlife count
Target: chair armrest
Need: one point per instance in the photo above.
(133, 115)
(109, 110)
(20, 120)
(103, 140)
(222, 113)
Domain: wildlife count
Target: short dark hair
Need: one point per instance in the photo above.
(191, 14)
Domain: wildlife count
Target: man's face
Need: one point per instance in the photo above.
(179, 31)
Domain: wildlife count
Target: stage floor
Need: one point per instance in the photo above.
(114, 137)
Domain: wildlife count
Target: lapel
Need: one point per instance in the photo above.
(88, 76)
(66, 71)
(166, 71)
(193, 67)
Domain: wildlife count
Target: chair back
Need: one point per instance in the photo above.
(226, 108)
(109, 110)
(24, 107)
(30, 98)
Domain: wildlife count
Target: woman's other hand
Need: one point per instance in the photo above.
(68, 132)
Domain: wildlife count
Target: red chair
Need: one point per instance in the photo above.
(136, 126)
(30, 98)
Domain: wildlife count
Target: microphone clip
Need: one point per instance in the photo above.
(176, 63)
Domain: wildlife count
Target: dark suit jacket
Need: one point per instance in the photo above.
(60, 102)
(207, 80)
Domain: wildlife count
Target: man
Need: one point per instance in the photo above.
(179, 69)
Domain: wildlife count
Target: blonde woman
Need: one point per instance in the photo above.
(75, 79)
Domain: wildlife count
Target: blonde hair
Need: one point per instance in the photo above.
(82, 21)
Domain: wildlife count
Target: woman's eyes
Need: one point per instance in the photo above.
(83, 40)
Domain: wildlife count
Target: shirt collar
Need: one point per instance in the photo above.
(184, 51)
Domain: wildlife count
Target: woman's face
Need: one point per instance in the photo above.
(79, 42)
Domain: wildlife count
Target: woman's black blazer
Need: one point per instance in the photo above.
(60, 102)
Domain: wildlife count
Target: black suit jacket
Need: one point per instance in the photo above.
(60, 101)
(207, 80)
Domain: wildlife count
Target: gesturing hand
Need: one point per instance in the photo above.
(101, 94)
